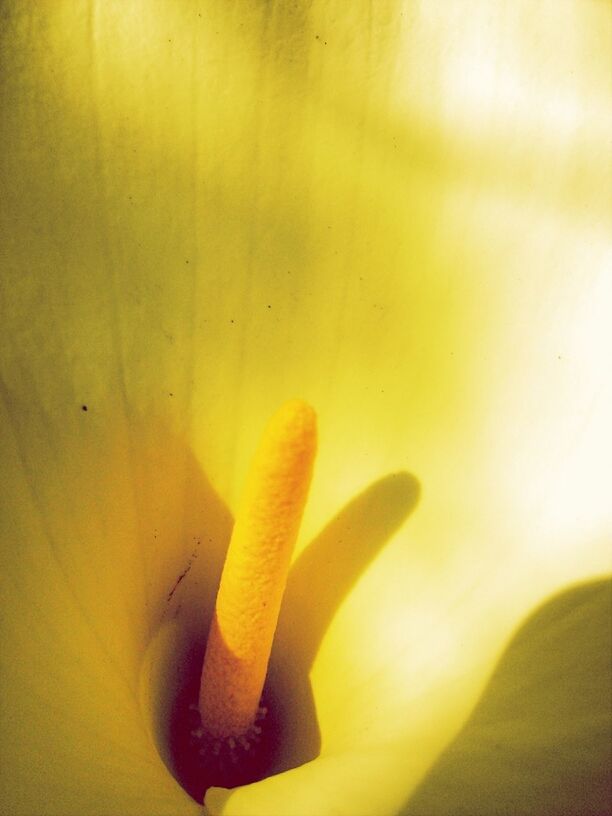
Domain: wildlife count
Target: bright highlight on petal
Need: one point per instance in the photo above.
(255, 573)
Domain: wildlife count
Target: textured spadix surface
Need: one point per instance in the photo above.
(394, 210)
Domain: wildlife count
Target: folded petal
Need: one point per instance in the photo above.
(539, 739)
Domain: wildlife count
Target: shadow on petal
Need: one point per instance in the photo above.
(182, 588)
(538, 742)
(319, 581)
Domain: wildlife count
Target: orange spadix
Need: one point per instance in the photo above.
(255, 572)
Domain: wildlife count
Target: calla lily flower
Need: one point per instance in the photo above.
(398, 212)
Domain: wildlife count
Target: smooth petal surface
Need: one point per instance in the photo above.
(539, 740)
(396, 211)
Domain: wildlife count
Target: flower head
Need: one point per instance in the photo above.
(399, 212)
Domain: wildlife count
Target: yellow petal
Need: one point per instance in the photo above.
(397, 211)
(539, 740)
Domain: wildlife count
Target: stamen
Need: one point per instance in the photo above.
(254, 578)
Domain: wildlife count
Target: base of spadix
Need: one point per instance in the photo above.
(201, 762)
(231, 761)
(169, 689)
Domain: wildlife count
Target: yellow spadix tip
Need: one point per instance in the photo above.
(255, 572)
